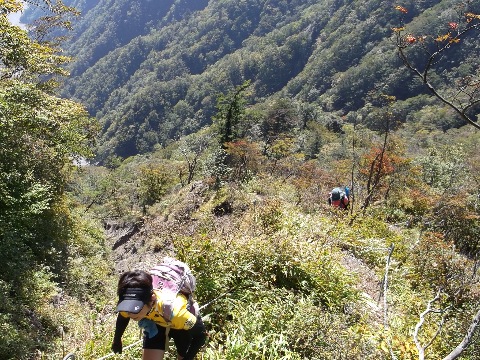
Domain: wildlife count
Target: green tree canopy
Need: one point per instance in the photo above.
(41, 135)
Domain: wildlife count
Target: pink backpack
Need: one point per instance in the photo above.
(173, 276)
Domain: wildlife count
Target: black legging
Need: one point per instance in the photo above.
(188, 346)
(187, 342)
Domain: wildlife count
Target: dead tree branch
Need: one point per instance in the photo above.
(466, 339)
(429, 310)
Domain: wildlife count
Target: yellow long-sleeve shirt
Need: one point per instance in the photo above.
(182, 318)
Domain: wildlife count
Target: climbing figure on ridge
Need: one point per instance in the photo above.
(338, 197)
(163, 307)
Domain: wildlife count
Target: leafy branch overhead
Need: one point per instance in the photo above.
(423, 53)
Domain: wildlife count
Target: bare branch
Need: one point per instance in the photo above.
(466, 340)
(385, 303)
(473, 325)
(385, 286)
(429, 310)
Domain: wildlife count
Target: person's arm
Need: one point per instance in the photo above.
(120, 327)
(182, 318)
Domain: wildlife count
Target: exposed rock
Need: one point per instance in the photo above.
(120, 233)
(143, 244)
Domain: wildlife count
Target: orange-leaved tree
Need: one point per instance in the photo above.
(424, 53)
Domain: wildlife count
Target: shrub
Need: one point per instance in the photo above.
(458, 221)
(280, 324)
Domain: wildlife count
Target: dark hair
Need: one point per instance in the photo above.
(134, 279)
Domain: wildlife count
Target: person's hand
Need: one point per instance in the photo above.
(117, 347)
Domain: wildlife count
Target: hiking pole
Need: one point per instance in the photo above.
(125, 348)
(214, 299)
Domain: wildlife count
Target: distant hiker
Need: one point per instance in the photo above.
(338, 197)
(160, 318)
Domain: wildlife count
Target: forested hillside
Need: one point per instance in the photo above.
(151, 71)
(220, 128)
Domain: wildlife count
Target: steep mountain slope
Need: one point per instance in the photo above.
(151, 71)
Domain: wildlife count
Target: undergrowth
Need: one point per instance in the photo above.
(274, 283)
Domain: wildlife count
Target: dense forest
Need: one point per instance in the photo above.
(151, 71)
(213, 131)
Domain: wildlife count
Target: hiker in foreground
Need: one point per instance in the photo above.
(162, 315)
